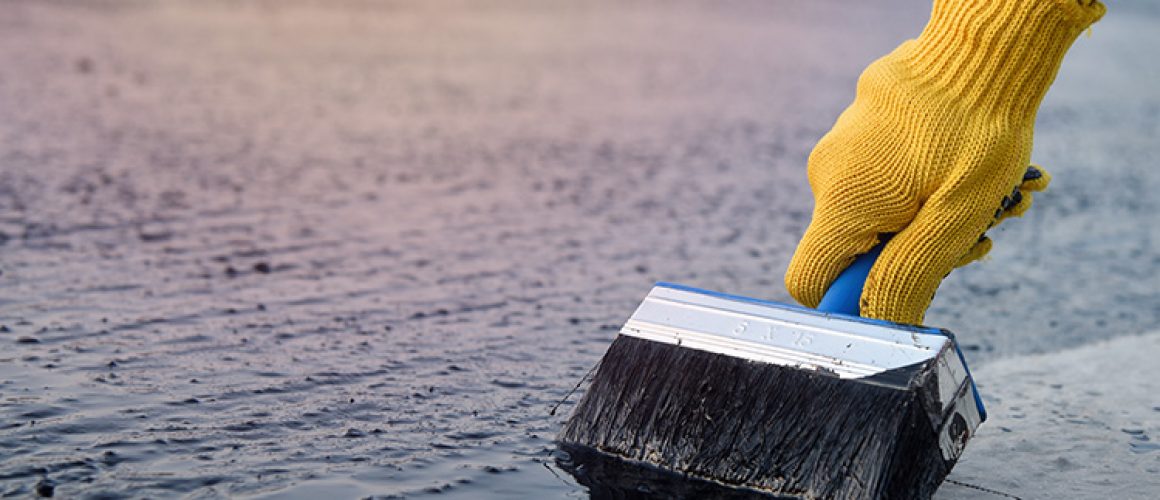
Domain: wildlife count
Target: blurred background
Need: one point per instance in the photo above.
(361, 248)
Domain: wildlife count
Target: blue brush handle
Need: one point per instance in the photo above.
(845, 292)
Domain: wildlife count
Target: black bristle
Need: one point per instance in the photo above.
(776, 429)
(608, 477)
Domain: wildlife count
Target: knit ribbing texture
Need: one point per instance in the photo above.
(938, 135)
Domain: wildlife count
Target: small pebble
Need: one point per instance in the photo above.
(45, 488)
(84, 65)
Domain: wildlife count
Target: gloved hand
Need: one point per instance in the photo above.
(936, 139)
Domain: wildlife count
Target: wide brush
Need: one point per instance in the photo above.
(778, 398)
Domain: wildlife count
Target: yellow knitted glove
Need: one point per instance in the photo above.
(938, 135)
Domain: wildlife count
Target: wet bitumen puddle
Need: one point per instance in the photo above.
(252, 361)
(356, 249)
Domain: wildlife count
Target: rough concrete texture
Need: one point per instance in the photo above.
(1076, 424)
(358, 247)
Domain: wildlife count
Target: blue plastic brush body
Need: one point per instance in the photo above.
(845, 292)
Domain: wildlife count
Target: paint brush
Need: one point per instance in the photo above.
(781, 399)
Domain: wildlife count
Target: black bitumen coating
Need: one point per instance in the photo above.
(355, 247)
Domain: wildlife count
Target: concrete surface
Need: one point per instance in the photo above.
(1075, 424)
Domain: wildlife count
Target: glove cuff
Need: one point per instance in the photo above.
(996, 56)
